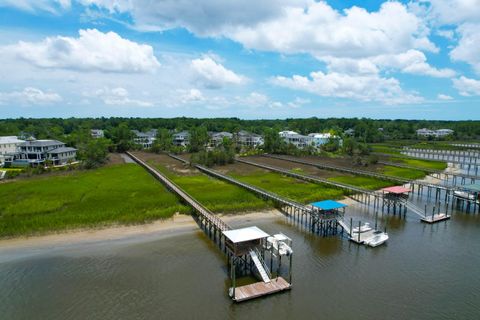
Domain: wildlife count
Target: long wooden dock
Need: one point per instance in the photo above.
(258, 289)
(206, 215)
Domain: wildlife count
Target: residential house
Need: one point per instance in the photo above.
(36, 152)
(216, 138)
(8, 145)
(440, 133)
(145, 139)
(349, 132)
(319, 139)
(181, 138)
(248, 139)
(97, 133)
(298, 140)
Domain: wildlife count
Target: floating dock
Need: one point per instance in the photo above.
(259, 289)
(435, 218)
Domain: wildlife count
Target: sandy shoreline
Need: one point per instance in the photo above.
(175, 225)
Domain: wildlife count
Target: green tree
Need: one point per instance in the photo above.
(95, 153)
(198, 139)
(163, 142)
(122, 137)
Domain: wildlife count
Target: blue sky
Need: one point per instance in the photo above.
(215, 58)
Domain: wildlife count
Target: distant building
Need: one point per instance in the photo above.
(443, 132)
(181, 139)
(319, 139)
(440, 133)
(97, 133)
(216, 138)
(145, 139)
(301, 141)
(248, 139)
(349, 132)
(36, 152)
(8, 145)
(298, 140)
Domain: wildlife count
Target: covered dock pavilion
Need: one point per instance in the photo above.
(325, 216)
(394, 197)
(247, 248)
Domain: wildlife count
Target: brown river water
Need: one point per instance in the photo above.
(423, 272)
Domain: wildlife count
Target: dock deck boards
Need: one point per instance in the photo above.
(436, 218)
(259, 289)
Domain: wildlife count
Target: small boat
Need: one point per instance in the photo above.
(366, 227)
(379, 237)
(464, 195)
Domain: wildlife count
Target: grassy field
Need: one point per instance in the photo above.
(368, 183)
(290, 188)
(216, 195)
(123, 194)
(426, 164)
(385, 149)
(402, 172)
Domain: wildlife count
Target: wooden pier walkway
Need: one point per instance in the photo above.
(206, 216)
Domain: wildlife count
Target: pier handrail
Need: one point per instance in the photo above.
(197, 206)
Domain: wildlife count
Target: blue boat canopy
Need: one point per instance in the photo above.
(328, 205)
(472, 187)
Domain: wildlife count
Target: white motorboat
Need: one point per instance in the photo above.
(378, 238)
(464, 195)
(364, 228)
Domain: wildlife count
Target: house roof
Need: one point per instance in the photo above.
(328, 205)
(10, 139)
(245, 234)
(41, 143)
(62, 150)
(396, 190)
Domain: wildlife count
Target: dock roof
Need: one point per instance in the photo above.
(472, 187)
(396, 190)
(245, 234)
(328, 205)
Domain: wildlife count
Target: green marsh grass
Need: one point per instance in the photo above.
(124, 194)
(369, 183)
(216, 195)
(403, 172)
(291, 188)
(424, 164)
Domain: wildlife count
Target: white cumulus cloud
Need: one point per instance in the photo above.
(117, 97)
(213, 74)
(91, 51)
(359, 87)
(29, 96)
(468, 48)
(444, 97)
(466, 86)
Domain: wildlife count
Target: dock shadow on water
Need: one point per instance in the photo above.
(424, 272)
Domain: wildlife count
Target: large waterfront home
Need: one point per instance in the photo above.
(36, 152)
(181, 138)
(145, 139)
(248, 139)
(8, 145)
(216, 138)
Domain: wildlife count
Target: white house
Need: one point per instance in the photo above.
(145, 139)
(248, 139)
(181, 138)
(298, 140)
(97, 133)
(36, 152)
(440, 133)
(216, 138)
(8, 145)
